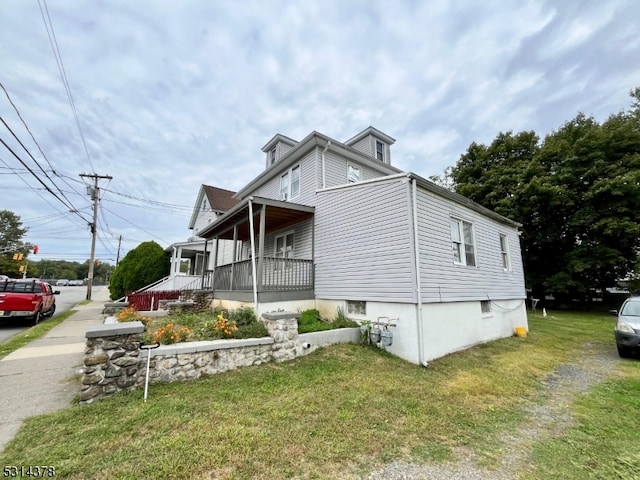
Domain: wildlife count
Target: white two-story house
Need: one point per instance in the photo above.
(332, 224)
(211, 203)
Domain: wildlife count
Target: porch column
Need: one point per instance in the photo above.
(215, 264)
(178, 267)
(263, 215)
(253, 258)
(174, 261)
(205, 263)
(235, 251)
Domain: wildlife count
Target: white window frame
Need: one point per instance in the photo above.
(504, 251)
(290, 186)
(353, 169)
(463, 245)
(272, 156)
(382, 153)
(284, 252)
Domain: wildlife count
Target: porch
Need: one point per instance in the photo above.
(263, 273)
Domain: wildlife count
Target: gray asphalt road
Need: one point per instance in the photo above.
(68, 298)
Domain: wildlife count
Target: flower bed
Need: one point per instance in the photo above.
(221, 323)
(187, 327)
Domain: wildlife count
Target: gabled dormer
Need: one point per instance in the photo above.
(374, 143)
(277, 147)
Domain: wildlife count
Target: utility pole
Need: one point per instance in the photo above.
(118, 256)
(94, 192)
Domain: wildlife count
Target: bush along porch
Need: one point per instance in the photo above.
(115, 362)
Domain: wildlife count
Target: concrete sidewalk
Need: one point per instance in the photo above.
(44, 376)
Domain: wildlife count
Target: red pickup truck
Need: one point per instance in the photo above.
(27, 299)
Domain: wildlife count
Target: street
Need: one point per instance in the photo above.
(68, 298)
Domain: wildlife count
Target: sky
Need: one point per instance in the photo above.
(164, 96)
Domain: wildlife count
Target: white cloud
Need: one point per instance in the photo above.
(175, 94)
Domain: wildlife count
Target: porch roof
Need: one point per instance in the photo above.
(278, 215)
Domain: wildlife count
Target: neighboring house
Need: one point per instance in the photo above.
(333, 224)
(211, 203)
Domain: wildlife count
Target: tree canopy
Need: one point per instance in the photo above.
(577, 194)
(143, 265)
(11, 233)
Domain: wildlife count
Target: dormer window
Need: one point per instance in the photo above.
(380, 151)
(272, 156)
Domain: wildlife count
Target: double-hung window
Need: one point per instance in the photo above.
(284, 245)
(464, 251)
(272, 156)
(353, 174)
(283, 250)
(504, 249)
(380, 151)
(290, 183)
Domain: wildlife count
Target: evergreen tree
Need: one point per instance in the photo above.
(143, 265)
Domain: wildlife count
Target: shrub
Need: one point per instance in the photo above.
(311, 321)
(242, 315)
(255, 330)
(342, 321)
(143, 265)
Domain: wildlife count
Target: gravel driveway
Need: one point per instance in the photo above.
(550, 418)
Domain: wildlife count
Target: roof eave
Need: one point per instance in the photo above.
(462, 200)
(314, 139)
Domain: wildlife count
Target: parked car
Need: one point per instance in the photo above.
(77, 283)
(63, 282)
(3, 277)
(627, 329)
(30, 299)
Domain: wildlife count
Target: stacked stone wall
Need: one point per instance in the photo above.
(113, 360)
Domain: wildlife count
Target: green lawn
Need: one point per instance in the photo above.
(344, 410)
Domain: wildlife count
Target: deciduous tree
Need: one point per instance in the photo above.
(577, 195)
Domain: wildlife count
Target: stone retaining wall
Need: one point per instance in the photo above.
(114, 362)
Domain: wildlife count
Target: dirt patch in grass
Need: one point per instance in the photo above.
(549, 415)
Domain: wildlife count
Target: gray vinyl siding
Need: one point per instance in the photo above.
(307, 182)
(281, 150)
(336, 170)
(302, 242)
(365, 145)
(363, 243)
(444, 281)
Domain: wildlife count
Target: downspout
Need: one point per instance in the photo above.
(253, 257)
(416, 246)
(324, 179)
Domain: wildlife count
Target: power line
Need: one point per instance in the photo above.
(63, 74)
(41, 182)
(36, 162)
(134, 225)
(152, 202)
(25, 125)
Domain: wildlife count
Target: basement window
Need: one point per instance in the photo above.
(485, 307)
(356, 307)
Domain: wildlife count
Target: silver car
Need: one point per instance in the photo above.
(627, 329)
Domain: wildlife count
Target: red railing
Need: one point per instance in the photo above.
(147, 301)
